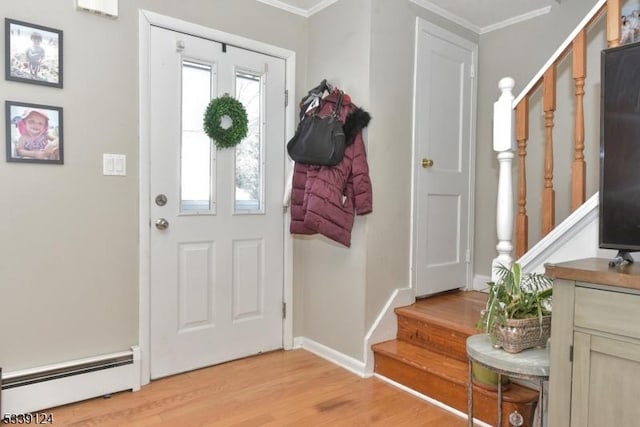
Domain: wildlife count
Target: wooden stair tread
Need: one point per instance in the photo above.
(423, 359)
(429, 355)
(458, 310)
(453, 370)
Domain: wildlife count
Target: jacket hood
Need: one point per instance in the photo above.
(357, 120)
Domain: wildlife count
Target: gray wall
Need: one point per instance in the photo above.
(519, 51)
(69, 236)
(371, 57)
(390, 145)
(69, 251)
(334, 278)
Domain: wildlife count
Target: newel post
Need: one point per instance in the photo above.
(504, 146)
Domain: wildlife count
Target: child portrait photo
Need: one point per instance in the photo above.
(33, 53)
(630, 25)
(34, 133)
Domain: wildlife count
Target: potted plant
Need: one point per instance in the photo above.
(518, 310)
(488, 378)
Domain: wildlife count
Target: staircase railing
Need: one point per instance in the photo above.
(511, 127)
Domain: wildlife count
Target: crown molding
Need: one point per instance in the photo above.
(446, 14)
(516, 19)
(298, 10)
(321, 5)
(425, 4)
(287, 7)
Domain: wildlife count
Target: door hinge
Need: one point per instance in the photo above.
(286, 97)
(284, 310)
(467, 256)
(472, 71)
(570, 353)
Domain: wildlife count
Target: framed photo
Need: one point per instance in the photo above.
(630, 24)
(33, 53)
(34, 133)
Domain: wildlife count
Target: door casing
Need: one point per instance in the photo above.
(146, 19)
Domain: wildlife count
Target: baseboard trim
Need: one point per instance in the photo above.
(480, 283)
(347, 362)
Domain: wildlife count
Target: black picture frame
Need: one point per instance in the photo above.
(32, 53)
(34, 133)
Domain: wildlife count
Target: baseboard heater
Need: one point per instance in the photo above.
(45, 387)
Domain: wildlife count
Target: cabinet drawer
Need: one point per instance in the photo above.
(613, 312)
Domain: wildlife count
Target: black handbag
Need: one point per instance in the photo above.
(319, 140)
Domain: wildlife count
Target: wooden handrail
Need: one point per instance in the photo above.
(546, 80)
(600, 8)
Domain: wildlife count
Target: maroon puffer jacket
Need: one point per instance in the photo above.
(325, 199)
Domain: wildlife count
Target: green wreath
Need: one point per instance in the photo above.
(226, 108)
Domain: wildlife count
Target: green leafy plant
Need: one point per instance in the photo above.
(516, 295)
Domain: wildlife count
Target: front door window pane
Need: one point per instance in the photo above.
(249, 167)
(197, 156)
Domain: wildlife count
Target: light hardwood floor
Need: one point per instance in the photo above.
(282, 388)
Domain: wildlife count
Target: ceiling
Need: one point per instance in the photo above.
(480, 16)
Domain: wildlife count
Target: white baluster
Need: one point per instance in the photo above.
(504, 145)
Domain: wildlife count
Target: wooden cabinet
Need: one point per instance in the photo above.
(595, 345)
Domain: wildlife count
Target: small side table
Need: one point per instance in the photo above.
(532, 364)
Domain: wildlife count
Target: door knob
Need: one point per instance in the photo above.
(427, 163)
(162, 224)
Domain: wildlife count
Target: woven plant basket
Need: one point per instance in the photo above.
(521, 334)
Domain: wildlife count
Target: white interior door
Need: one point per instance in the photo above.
(216, 238)
(444, 141)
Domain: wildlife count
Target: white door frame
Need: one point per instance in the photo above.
(146, 19)
(423, 25)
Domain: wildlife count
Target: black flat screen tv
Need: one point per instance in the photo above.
(619, 207)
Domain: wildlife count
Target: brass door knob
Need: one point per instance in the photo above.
(427, 163)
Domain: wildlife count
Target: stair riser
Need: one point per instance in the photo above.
(436, 338)
(450, 393)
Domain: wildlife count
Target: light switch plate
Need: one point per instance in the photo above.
(114, 164)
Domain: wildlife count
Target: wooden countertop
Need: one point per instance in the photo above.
(597, 271)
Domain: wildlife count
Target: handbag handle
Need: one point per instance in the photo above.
(336, 111)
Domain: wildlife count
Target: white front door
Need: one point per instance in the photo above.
(216, 218)
(444, 146)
